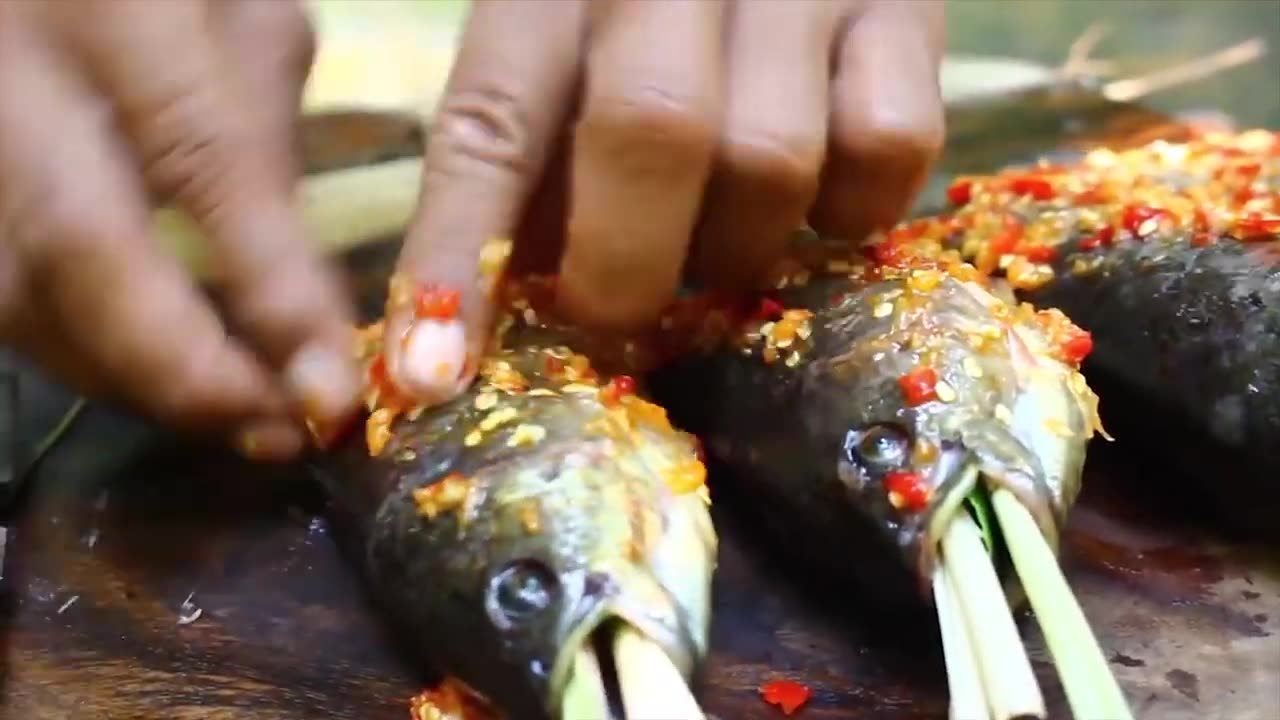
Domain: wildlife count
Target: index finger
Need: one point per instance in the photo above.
(201, 138)
(506, 95)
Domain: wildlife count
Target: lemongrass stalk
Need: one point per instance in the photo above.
(968, 697)
(1091, 687)
(1011, 687)
(649, 682)
(584, 695)
(54, 436)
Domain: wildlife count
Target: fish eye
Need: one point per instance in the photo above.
(520, 591)
(882, 446)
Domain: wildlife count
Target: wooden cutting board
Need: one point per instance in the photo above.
(129, 534)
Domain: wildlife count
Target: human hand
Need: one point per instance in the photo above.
(108, 102)
(693, 133)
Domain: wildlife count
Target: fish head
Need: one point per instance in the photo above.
(526, 522)
(954, 389)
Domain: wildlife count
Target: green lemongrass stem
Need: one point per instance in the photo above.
(968, 698)
(341, 211)
(584, 695)
(54, 436)
(649, 682)
(1012, 691)
(1091, 687)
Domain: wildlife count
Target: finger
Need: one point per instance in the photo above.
(540, 233)
(774, 138)
(182, 108)
(129, 315)
(270, 46)
(506, 96)
(642, 155)
(886, 122)
(268, 440)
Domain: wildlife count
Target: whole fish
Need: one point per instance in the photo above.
(1167, 253)
(512, 528)
(852, 405)
(869, 413)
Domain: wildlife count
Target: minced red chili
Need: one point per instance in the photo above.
(1103, 237)
(1258, 226)
(786, 695)
(960, 192)
(1076, 346)
(907, 490)
(433, 302)
(769, 309)
(1035, 187)
(1038, 253)
(617, 388)
(1135, 217)
(919, 386)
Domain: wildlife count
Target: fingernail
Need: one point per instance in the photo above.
(269, 441)
(325, 434)
(432, 360)
(324, 381)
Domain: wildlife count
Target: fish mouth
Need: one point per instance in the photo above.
(619, 672)
(629, 648)
(988, 547)
(964, 479)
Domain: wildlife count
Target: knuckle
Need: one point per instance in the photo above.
(487, 126)
(53, 237)
(683, 124)
(913, 138)
(188, 390)
(189, 156)
(286, 311)
(785, 164)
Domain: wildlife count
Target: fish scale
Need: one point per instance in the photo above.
(508, 620)
(836, 391)
(1183, 320)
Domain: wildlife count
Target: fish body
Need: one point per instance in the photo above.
(1169, 255)
(854, 418)
(499, 531)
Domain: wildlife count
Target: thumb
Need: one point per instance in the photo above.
(231, 168)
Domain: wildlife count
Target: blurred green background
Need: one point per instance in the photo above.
(1145, 35)
(398, 51)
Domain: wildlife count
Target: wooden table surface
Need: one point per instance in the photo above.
(125, 524)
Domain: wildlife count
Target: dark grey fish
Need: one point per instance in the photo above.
(1169, 254)
(510, 529)
(809, 414)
